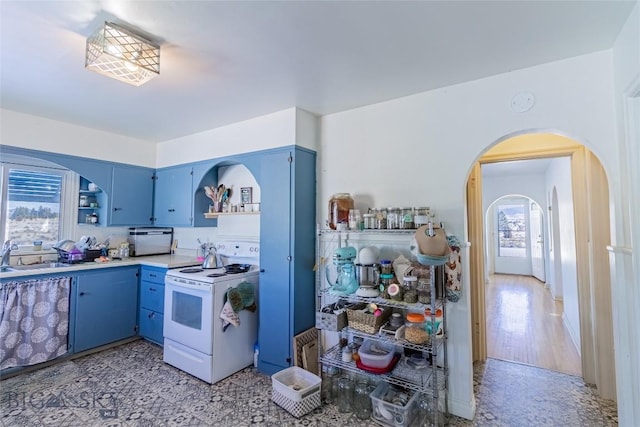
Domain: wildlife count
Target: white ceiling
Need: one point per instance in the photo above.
(228, 61)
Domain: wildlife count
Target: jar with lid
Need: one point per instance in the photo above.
(386, 267)
(407, 219)
(393, 218)
(395, 291)
(421, 216)
(385, 282)
(369, 221)
(410, 288)
(339, 206)
(396, 320)
(381, 219)
(415, 331)
(424, 291)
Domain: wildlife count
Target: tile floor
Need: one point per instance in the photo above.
(129, 385)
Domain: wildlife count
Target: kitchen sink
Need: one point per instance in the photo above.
(34, 266)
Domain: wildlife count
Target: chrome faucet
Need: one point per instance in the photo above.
(6, 253)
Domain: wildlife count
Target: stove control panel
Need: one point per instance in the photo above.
(239, 249)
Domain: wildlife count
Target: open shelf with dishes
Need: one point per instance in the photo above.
(211, 215)
(419, 366)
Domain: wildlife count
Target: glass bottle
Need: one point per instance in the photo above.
(345, 395)
(381, 222)
(361, 400)
(339, 206)
(369, 221)
(393, 218)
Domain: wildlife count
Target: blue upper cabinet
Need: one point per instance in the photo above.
(287, 180)
(173, 204)
(131, 201)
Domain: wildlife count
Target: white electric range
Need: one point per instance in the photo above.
(195, 337)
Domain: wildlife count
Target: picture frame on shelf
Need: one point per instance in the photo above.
(246, 195)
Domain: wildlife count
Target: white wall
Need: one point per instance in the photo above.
(559, 177)
(420, 149)
(625, 214)
(288, 127)
(38, 133)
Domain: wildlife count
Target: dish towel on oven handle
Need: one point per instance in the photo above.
(235, 300)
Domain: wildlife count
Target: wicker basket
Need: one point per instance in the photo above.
(366, 322)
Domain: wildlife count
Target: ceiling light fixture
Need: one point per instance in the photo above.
(121, 54)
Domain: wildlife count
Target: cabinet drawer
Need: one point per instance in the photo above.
(152, 275)
(151, 325)
(152, 296)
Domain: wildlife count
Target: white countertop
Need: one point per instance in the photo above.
(162, 261)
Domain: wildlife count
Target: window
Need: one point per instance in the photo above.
(512, 231)
(34, 201)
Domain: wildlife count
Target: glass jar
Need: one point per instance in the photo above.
(407, 219)
(369, 221)
(381, 219)
(421, 216)
(395, 292)
(393, 218)
(415, 331)
(345, 395)
(410, 289)
(424, 291)
(385, 282)
(339, 206)
(396, 320)
(347, 354)
(386, 267)
(328, 377)
(361, 400)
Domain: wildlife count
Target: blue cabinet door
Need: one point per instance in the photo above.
(131, 201)
(274, 331)
(151, 325)
(106, 307)
(173, 205)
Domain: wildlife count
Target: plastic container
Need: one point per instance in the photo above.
(296, 390)
(374, 354)
(339, 206)
(415, 331)
(393, 406)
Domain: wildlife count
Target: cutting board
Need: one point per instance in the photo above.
(310, 357)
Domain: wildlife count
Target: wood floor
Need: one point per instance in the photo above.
(524, 324)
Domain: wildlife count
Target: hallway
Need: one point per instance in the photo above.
(524, 325)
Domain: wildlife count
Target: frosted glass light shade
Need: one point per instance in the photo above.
(119, 53)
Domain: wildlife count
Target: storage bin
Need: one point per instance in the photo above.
(393, 414)
(296, 390)
(375, 354)
(366, 322)
(331, 321)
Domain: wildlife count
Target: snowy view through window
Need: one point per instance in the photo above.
(512, 230)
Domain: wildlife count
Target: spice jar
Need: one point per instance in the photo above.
(369, 221)
(421, 216)
(385, 282)
(414, 330)
(386, 267)
(393, 218)
(339, 206)
(424, 291)
(406, 219)
(409, 287)
(381, 219)
(396, 320)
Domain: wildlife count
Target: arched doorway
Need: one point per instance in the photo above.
(590, 235)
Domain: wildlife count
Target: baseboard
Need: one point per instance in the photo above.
(466, 410)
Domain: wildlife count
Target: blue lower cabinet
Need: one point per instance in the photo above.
(152, 303)
(106, 304)
(151, 325)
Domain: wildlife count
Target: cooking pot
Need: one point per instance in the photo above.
(210, 261)
(237, 268)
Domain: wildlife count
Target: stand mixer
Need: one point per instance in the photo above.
(342, 278)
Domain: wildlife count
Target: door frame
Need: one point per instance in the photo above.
(597, 366)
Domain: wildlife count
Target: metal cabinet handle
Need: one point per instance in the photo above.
(152, 315)
(152, 289)
(172, 210)
(152, 275)
(81, 294)
(117, 209)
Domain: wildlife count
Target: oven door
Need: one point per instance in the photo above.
(188, 315)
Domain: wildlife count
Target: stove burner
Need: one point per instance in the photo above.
(191, 270)
(216, 274)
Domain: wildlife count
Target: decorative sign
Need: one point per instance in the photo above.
(246, 194)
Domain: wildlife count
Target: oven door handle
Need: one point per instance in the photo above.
(179, 285)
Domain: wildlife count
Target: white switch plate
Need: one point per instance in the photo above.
(522, 102)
